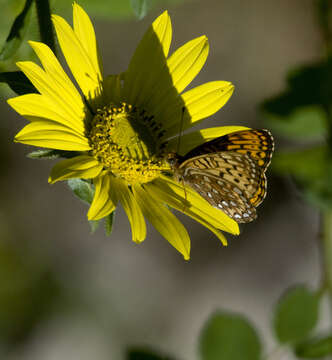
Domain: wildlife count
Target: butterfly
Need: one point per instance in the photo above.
(229, 171)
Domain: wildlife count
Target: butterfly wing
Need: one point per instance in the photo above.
(258, 144)
(227, 180)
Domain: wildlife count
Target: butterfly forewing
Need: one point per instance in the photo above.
(229, 171)
(258, 144)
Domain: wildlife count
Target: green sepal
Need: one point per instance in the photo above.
(50, 154)
(109, 223)
(314, 348)
(94, 225)
(17, 32)
(83, 189)
(18, 82)
(296, 315)
(229, 336)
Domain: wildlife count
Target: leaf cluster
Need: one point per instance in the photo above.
(302, 113)
(230, 336)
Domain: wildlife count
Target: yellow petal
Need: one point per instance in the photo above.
(35, 106)
(148, 63)
(200, 102)
(187, 61)
(81, 63)
(52, 135)
(191, 203)
(120, 192)
(179, 70)
(191, 140)
(58, 78)
(53, 93)
(85, 33)
(182, 67)
(83, 167)
(160, 195)
(164, 221)
(102, 203)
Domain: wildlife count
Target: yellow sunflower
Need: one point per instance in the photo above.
(120, 127)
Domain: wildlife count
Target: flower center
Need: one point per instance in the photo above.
(127, 142)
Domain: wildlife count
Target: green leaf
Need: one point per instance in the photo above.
(144, 354)
(308, 94)
(229, 337)
(109, 223)
(315, 348)
(46, 154)
(17, 32)
(296, 315)
(306, 122)
(18, 82)
(140, 7)
(82, 189)
(306, 165)
(312, 171)
(94, 225)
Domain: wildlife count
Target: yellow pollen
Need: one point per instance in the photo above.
(127, 142)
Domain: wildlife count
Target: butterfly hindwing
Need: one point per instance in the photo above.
(222, 195)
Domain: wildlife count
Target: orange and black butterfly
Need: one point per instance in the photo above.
(229, 171)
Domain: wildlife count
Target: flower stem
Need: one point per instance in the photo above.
(45, 23)
(327, 252)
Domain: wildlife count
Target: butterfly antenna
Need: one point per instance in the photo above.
(177, 151)
(181, 129)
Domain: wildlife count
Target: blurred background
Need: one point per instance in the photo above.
(68, 294)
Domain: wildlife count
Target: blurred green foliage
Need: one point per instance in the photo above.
(315, 348)
(144, 354)
(296, 315)
(302, 113)
(229, 336)
(116, 10)
(29, 292)
(17, 32)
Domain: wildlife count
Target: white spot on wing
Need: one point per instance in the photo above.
(237, 190)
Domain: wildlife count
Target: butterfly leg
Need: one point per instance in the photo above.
(185, 195)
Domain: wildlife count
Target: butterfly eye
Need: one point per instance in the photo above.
(172, 159)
